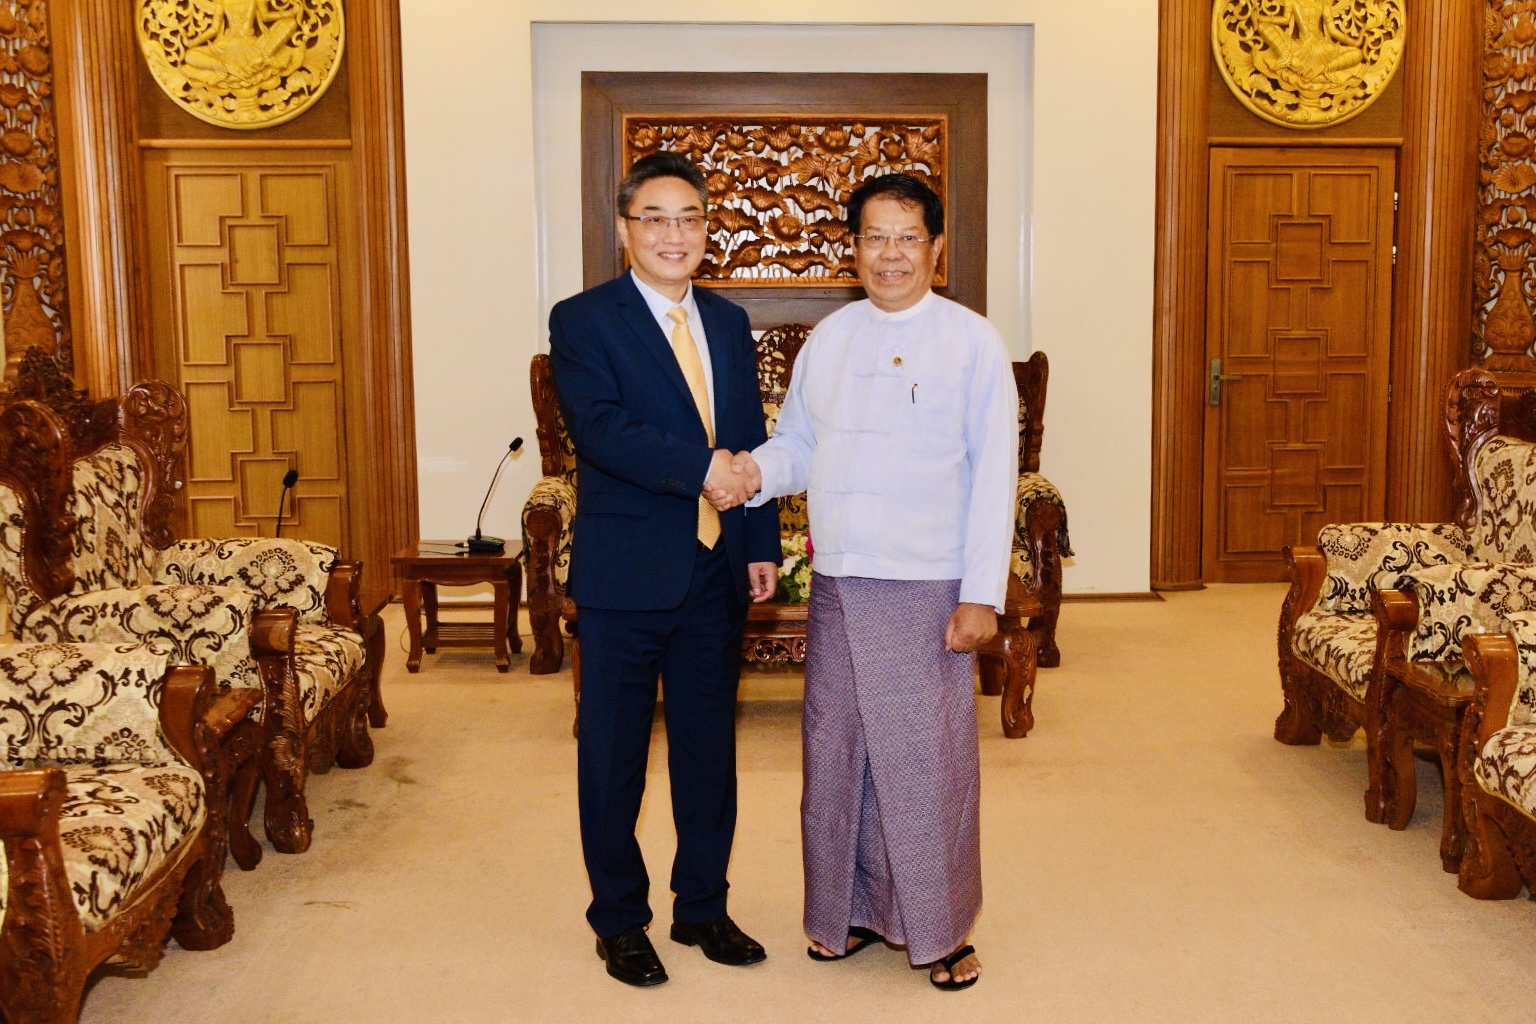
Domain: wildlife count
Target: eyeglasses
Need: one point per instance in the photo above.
(906, 243)
(655, 224)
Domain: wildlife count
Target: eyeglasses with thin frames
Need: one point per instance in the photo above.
(906, 243)
(656, 224)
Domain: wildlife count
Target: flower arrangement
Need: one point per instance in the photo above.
(795, 574)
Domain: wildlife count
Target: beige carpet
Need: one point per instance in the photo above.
(1150, 854)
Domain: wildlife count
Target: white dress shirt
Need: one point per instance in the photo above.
(903, 430)
(659, 305)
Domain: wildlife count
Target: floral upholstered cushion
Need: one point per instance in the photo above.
(202, 624)
(1505, 470)
(1035, 488)
(325, 657)
(1475, 597)
(83, 702)
(1369, 556)
(281, 573)
(557, 493)
(1340, 645)
(1506, 766)
(109, 545)
(120, 824)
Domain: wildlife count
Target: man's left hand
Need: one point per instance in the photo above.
(762, 580)
(969, 627)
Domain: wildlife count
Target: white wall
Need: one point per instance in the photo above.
(1070, 270)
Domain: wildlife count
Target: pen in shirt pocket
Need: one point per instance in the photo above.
(914, 392)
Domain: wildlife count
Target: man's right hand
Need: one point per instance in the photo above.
(731, 479)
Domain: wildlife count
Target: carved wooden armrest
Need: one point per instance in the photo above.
(30, 801)
(230, 709)
(38, 902)
(185, 703)
(1494, 660)
(343, 596)
(1308, 568)
(1397, 615)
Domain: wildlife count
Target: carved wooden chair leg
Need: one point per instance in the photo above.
(288, 824)
(1018, 711)
(548, 643)
(1295, 724)
(243, 749)
(991, 671)
(375, 647)
(203, 918)
(1487, 870)
(356, 744)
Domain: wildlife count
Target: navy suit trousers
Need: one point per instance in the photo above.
(695, 649)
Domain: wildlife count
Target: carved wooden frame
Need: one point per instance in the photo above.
(607, 97)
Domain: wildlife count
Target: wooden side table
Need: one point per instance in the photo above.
(1424, 701)
(428, 564)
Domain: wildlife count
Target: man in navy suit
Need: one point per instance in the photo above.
(658, 384)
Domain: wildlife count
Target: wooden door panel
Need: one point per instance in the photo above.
(1299, 316)
(248, 298)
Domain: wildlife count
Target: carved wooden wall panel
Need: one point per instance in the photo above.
(1505, 259)
(779, 186)
(33, 278)
(253, 296)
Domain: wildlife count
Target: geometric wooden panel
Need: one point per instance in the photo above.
(1299, 306)
(255, 298)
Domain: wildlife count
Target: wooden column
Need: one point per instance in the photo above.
(1437, 202)
(1178, 328)
(95, 59)
(391, 502)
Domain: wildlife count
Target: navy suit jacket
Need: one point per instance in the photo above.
(641, 451)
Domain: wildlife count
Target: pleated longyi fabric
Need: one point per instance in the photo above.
(889, 813)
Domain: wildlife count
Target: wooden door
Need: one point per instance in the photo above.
(1297, 343)
(254, 296)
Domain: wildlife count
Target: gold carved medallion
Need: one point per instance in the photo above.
(242, 63)
(1307, 63)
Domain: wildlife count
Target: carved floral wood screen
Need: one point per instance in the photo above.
(779, 186)
(33, 281)
(781, 153)
(1504, 273)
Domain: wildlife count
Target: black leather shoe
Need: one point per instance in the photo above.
(721, 941)
(631, 958)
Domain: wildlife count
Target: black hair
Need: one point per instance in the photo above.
(665, 164)
(903, 188)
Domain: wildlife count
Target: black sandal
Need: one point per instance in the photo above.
(865, 938)
(948, 963)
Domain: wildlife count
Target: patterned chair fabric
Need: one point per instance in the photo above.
(109, 547)
(18, 598)
(1340, 645)
(558, 495)
(282, 573)
(1506, 764)
(132, 803)
(324, 658)
(1376, 556)
(1474, 597)
(1505, 471)
(1034, 488)
(201, 624)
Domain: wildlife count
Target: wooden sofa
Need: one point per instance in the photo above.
(1498, 763)
(281, 616)
(1377, 607)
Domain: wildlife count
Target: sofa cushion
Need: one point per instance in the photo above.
(1506, 766)
(15, 595)
(1340, 645)
(1034, 488)
(1505, 471)
(110, 550)
(324, 657)
(83, 702)
(1363, 557)
(282, 573)
(202, 624)
(559, 494)
(1474, 597)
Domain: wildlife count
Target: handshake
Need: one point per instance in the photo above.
(732, 479)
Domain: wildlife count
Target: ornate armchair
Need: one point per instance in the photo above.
(111, 814)
(1498, 763)
(547, 517)
(1342, 660)
(280, 616)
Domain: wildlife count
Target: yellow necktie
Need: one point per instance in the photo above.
(687, 352)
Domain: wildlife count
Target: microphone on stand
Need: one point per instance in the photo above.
(289, 479)
(480, 544)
